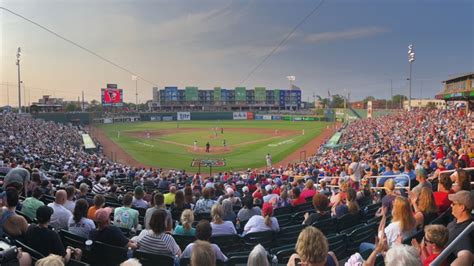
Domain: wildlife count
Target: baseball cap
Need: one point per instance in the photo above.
(268, 187)
(267, 209)
(464, 197)
(102, 215)
(245, 189)
(103, 180)
(43, 214)
(421, 172)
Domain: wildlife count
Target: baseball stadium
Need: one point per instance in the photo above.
(164, 134)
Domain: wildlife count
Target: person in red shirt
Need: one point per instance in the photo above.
(296, 196)
(441, 196)
(308, 191)
(435, 239)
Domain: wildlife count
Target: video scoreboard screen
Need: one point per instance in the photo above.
(112, 97)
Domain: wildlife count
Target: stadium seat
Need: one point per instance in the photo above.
(347, 221)
(105, 254)
(327, 226)
(364, 233)
(298, 218)
(184, 240)
(371, 209)
(187, 262)
(73, 240)
(289, 234)
(419, 234)
(202, 216)
(228, 243)
(443, 218)
(338, 245)
(28, 219)
(303, 207)
(265, 238)
(285, 219)
(282, 211)
(73, 262)
(283, 253)
(151, 259)
(35, 255)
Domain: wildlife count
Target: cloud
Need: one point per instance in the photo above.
(344, 35)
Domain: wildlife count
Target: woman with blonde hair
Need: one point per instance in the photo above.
(264, 222)
(185, 228)
(425, 207)
(219, 226)
(312, 249)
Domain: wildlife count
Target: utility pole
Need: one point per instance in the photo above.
(82, 101)
(18, 54)
(136, 91)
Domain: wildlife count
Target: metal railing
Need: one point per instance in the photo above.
(449, 249)
(329, 178)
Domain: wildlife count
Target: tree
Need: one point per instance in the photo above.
(369, 98)
(71, 107)
(337, 101)
(397, 100)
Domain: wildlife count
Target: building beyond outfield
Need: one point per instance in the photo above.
(220, 99)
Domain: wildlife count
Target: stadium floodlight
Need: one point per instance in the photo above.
(136, 91)
(18, 54)
(291, 78)
(411, 59)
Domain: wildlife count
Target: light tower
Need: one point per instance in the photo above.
(411, 59)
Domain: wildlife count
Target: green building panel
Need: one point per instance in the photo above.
(191, 94)
(276, 94)
(240, 94)
(260, 94)
(217, 94)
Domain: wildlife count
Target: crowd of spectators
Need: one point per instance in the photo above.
(409, 152)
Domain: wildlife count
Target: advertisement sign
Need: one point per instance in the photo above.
(191, 94)
(181, 116)
(286, 118)
(239, 115)
(155, 118)
(167, 118)
(267, 117)
(276, 117)
(108, 120)
(249, 116)
(297, 118)
(258, 117)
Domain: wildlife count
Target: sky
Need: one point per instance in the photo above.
(346, 46)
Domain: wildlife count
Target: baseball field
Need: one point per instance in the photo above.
(243, 144)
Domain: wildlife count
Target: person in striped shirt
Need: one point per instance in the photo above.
(155, 240)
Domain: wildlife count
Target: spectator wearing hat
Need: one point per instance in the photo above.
(44, 240)
(31, 204)
(100, 187)
(10, 222)
(264, 222)
(462, 204)
(421, 176)
(61, 215)
(138, 201)
(107, 233)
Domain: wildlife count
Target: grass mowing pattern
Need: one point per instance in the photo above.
(247, 153)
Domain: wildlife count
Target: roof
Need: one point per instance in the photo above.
(458, 76)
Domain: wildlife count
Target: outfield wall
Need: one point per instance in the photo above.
(87, 118)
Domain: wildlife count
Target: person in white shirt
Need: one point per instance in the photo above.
(219, 226)
(70, 204)
(264, 222)
(61, 215)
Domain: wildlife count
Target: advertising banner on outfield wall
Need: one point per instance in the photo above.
(276, 117)
(240, 115)
(155, 118)
(249, 116)
(167, 118)
(286, 118)
(108, 120)
(183, 116)
(267, 117)
(258, 117)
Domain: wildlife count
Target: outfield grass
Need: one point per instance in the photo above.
(248, 148)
